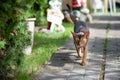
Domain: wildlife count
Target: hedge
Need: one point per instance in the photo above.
(13, 32)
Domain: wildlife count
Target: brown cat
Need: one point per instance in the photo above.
(80, 34)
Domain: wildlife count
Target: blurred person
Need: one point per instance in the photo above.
(81, 6)
(77, 4)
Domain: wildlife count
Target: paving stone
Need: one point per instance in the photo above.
(112, 69)
(65, 65)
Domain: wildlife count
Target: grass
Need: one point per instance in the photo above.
(45, 45)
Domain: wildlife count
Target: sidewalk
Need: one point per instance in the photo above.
(103, 59)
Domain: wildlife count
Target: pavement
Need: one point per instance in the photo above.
(103, 58)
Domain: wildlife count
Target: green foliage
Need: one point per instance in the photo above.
(13, 38)
(44, 47)
(2, 44)
(40, 11)
(13, 32)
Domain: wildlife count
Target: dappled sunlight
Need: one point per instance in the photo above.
(103, 45)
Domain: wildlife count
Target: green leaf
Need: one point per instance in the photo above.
(2, 44)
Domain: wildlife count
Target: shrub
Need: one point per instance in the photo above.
(13, 32)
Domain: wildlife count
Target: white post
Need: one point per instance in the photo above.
(110, 5)
(114, 5)
(31, 25)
